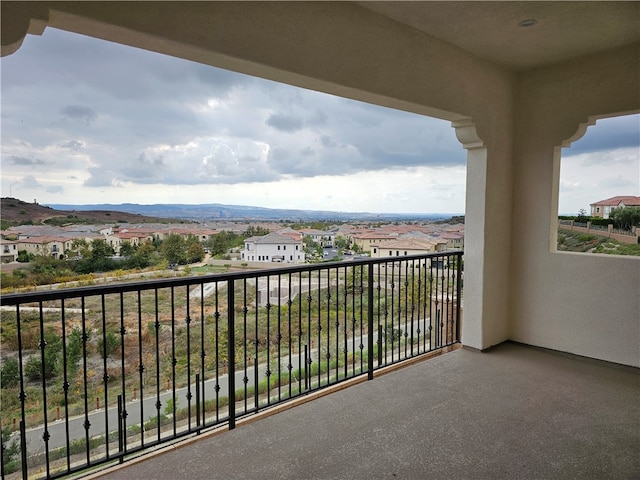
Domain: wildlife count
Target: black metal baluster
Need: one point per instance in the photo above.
(123, 398)
(300, 331)
(141, 367)
(268, 372)
(22, 395)
(43, 373)
(105, 375)
(443, 287)
(120, 427)
(308, 359)
(289, 337)
(279, 338)
(231, 355)
(458, 296)
(361, 345)
(369, 323)
(432, 340)
(85, 338)
(328, 354)
(245, 340)
(158, 404)
(198, 401)
(256, 342)
(216, 318)
(174, 362)
(345, 294)
(65, 381)
(203, 354)
(337, 324)
(188, 322)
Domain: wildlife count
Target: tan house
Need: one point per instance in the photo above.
(8, 250)
(46, 246)
(603, 208)
(366, 241)
(402, 248)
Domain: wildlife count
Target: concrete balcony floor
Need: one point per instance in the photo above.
(512, 412)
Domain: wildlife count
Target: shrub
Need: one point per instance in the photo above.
(10, 373)
(108, 344)
(11, 452)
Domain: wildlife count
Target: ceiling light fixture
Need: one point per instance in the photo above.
(530, 22)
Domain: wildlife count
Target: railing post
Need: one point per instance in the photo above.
(231, 355)
(458, 295)
(370, 320)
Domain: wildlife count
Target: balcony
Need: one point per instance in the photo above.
(512, 412)
(95, 375)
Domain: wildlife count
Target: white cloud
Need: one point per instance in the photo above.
(87, 121)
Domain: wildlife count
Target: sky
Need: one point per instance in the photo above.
(87, 121)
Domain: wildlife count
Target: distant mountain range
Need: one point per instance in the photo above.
(215, 211)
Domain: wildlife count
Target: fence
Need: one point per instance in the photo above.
(94, 375)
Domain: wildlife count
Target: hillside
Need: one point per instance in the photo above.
(16, 212)
(569, 241)
(216, 211)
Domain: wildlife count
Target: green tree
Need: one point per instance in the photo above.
(33, 366)
(108, 345)
(195, 252)
(625, 218)
(127, 250)
(24, 256)
(173, 249)
(255, 231)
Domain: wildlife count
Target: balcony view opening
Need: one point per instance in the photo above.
(147, 203)
(599, 198)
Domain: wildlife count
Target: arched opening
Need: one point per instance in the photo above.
(600, 173)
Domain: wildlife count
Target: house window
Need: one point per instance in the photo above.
(278, 247)
(296, 247)
(390, 253)
(6, 249)
(375, 250)
(284, 247)
(291, 257)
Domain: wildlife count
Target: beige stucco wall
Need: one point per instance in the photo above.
(585, 304)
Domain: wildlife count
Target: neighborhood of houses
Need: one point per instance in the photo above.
(603, 208)
(281, 245)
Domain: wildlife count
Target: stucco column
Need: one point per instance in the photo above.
(486, 256)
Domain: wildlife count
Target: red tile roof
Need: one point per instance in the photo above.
(628, 201)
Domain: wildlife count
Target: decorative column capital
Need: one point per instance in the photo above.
(467, 134)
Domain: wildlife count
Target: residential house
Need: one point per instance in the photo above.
(8, 250)
(402, 247)
(454, 240)
(46, 246)
(321, 237)
(366, 241)
(273, 247)
(603, 208)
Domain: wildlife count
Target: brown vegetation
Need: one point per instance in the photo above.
(17, 212)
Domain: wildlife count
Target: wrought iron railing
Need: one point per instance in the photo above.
(93, 375)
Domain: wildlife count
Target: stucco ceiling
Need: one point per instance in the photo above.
(491, 30)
